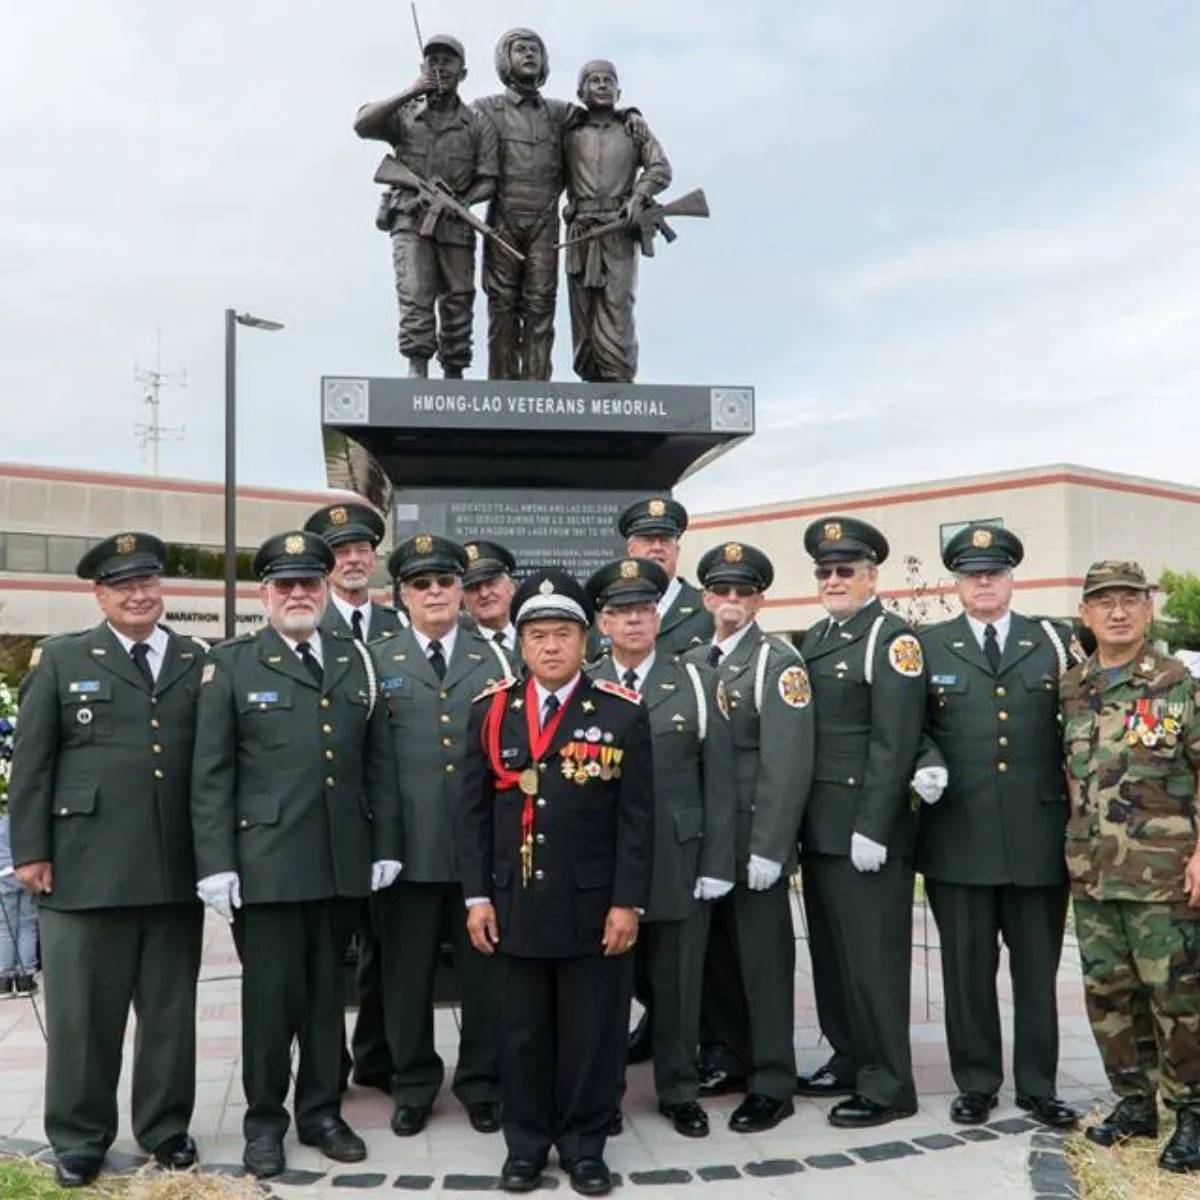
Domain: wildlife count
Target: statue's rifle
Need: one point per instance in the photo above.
(651, 220)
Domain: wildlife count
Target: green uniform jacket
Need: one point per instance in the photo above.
(1133, 752)
(686, 624)
(293, 786)
(427, 722)
(764, 685)
(695, 782)
(1002, 816)
(868, 731)
(101, 770)
(385, 622)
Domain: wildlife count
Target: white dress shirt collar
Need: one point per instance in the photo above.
(730, 644)
(543, 694)
(641, 670)
(157, 641)
(348, 610)
(446, 641)
(313, 640)
(1001, 625)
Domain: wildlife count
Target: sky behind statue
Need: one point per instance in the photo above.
(919, 209)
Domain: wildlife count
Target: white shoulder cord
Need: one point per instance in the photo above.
(372, 682)
(872, 641)
(701, 703)
(501, 658)
(1059, 649)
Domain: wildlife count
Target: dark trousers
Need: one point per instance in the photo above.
(749, 988)
(521, 296)
(435, 290)
(860, 934)
(369, 1047)
(971, 920)
(412, 921)
(562, 1051)
(97, 964)
(291, 970)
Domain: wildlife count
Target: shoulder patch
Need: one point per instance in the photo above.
(206, 675)
(904, 653)
(795, 689)
(500, 685)
(615, 689)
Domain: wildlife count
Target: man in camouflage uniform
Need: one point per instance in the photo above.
(1131, 730)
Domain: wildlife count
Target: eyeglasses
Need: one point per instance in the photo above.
(1110, 604)
(840, 572)
(310, 583)
(742, 590)
(423, 583)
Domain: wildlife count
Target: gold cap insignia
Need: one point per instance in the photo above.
(657, 508)
(472, 552)
(546, 587)
(338, 516)
(833, 531)
(629, 569)
(423, 543)
(733, 552)
(294, 544)
(126, 543)
(981, 539)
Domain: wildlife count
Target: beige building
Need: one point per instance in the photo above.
(1066, 516)
(49, 517)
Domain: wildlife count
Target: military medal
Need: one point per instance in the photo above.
(528, 781)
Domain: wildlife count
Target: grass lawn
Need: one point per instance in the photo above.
(21, 1179)
(1129, 1172)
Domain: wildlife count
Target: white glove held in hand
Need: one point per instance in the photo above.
(384, 872)
(1190, 659)
(762, 873)
(711, 889)
(929, 783)
(221, 892)
(865, 854)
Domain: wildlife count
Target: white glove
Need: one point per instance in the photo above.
(929, 783)
(1190, 659)
(865, 854)
(712, 889)
(221, 892)
(762, 873)
(384, 872)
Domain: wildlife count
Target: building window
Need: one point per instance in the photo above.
(63, 554)
(59, 554)
(953, 527)
(25, 552)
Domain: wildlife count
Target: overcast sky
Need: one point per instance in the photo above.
(948, 236)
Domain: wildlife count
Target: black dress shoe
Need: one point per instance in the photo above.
(688, 1118)
(484, 1116)
(713, 1081)
(616, 1124)
(409, 1119)
(641, 1049)
(520, 1175)
(263, 1157)
(1134, 1117)
(335, 1139)
(758, 1112)
(589, 1176)
(176, 1153)
(972, 1108)
(1050, 1110)
(381, 1083)
(823, 1082)
(72, 1171)
(1182, 1153)
(860, 1113)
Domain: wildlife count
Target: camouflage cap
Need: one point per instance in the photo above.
(1114, 573)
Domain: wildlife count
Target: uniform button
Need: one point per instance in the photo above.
(447, 741)
(326, 728)
(445, 718)
(324, 701)
(329, 754)
(850, 781)
(153, 722)
(153, 699)
(157, 773)
(541, 766)
(1000, 691)
(1002, 767)
(245, 823)
(443, 695)
(539, 874)
(1003, 740)
(329, 781)
(541, 803)
(1002, 715)
(540, 839)
(62, 812)
(449, 768)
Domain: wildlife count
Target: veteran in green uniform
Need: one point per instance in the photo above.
(695, 789)
(296, 820)
(428, 677)
(100, 830)
(751, 958)
(990, 843)
(868, 683)
(1131, 731)
(354, 532)
(488, 588)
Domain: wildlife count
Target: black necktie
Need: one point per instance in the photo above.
(499, 638)
(991, 647)
(437, 660)
(356, 624)
(140, 653)
(629, 679)
(309, 659)
(714, 656)
(549, 708)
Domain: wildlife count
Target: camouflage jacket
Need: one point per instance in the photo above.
(1132, 747)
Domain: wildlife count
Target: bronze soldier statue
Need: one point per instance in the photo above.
(611, 173)
(444, 143)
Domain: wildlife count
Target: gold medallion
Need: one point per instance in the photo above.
(657, 508)
(126, 543)
(528, 782)
(293, 544)
(423, 543)
(338, 516)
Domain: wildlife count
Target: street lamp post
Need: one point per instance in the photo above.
(232, 320)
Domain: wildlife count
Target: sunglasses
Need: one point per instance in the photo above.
(742, 590)
(840, 572)
(310, 583)
(423, 583)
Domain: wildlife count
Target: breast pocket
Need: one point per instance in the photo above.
(947, 696)
(266, 717)
(87, 711)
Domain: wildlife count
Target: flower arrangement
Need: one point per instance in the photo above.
(8, 728)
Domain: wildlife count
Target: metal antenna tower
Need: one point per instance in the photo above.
(152, 432)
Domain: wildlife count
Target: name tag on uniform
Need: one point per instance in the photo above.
(514, 753)
(83, 687)
(262, 697)
(391, 683)
(945, 680)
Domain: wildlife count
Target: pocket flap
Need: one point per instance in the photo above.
(689, 824)
(594, 873)
(258, 810)
(270, 699)
(76, 801)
